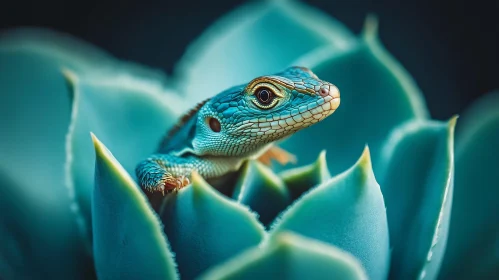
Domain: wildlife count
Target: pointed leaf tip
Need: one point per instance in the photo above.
(371, 25)
(262, 191)
(472, 246)
(347, 211)
(365, 164)
(301, 179)
(70, 76)
(205, 228)
(452, 124)
(198, 183)
(128, 240)
(126, 112)
(417, 183)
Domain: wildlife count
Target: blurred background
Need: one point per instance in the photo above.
(450, 47)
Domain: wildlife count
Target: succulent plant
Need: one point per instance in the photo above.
(379, 190)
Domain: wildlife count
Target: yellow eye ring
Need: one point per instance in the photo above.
(264, 96)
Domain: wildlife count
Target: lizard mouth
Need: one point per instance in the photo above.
(314, 112)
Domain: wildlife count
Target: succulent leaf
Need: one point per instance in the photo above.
(41, 119)
(36, 97)
(474, 230)
(348, 212)
(129, 242)
(301, 179)
(416, 175)
(262, 191)
(290, 256)
(377, 94)
(256, 39)
(129, 114)
(27, 234)
(205, 228)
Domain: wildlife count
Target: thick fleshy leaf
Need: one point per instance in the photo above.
(37, 104)
(301, 179)
(262, 191)
(416, 177)
(290, 256)
(128, 239)
(36, 107)
(473, 245)
(205, 228)
(256, 39)
(37, 242)
(377, 94)
(128, 113)
(347, 211)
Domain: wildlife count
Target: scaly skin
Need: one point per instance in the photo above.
(240, 123)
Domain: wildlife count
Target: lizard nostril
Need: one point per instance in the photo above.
(323, 92)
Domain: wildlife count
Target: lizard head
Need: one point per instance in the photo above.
(242, 120)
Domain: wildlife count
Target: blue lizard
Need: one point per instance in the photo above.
(238, 124)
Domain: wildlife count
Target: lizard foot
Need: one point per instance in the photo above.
(171, 183)
(280, 155)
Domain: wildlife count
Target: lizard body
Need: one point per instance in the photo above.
(238, 124)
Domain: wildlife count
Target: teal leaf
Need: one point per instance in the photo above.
(36, 104)
(262, 191)
(473, 244)
(377, 94)
(290, 256)
(256, 39)
(26, 235)
(348, 212)
(416, 177)
(206, 228)
(65, 51)
(301, 179)
(129, 242)
(130, 114)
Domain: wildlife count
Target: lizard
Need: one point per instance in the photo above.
(240, 123)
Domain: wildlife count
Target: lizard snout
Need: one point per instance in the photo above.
(331, 95)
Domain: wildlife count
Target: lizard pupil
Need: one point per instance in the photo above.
(265, 96)
(214, 125)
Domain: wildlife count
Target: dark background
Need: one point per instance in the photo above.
(450, 47)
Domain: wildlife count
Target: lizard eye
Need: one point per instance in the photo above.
(265, 96)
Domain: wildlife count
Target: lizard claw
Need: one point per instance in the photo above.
(170, 183)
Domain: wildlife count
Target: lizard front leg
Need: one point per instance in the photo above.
(162, 172)
(166, 172)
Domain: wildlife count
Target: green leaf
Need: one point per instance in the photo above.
(416, 175)
(474, 231)
(301, 179)
(128, 239)
(128, 113)
(290, 256)
(262, 191)
(348, 212)
(377, 94)
(206, 228)
(256, 39)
